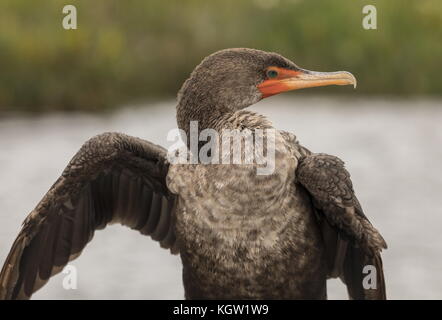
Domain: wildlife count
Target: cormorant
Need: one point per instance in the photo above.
(240, 235)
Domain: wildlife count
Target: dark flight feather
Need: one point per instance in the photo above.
(350, 239)
(113, 178)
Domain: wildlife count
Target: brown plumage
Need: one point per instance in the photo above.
(239, 234)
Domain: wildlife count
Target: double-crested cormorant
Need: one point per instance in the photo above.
(239, 234)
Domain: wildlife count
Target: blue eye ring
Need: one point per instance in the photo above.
(271, 73)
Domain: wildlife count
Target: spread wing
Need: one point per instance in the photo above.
(351, 241)
(114, 178)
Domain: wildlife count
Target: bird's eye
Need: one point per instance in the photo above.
(272, 73)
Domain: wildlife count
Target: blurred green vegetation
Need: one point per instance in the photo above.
(126, 51)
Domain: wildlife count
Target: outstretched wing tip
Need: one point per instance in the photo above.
(87, 197)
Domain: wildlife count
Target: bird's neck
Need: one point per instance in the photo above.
(219, 118)
(206, 117)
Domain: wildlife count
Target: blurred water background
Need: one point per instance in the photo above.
(392, 149)
(120, 70)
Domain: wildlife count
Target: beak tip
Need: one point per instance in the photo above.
(352, 79)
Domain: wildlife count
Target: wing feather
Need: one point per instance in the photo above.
(351, 240)
(113, 178)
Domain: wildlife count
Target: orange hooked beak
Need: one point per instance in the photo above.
(286, 80)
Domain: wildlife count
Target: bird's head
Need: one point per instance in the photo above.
(233, 79)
